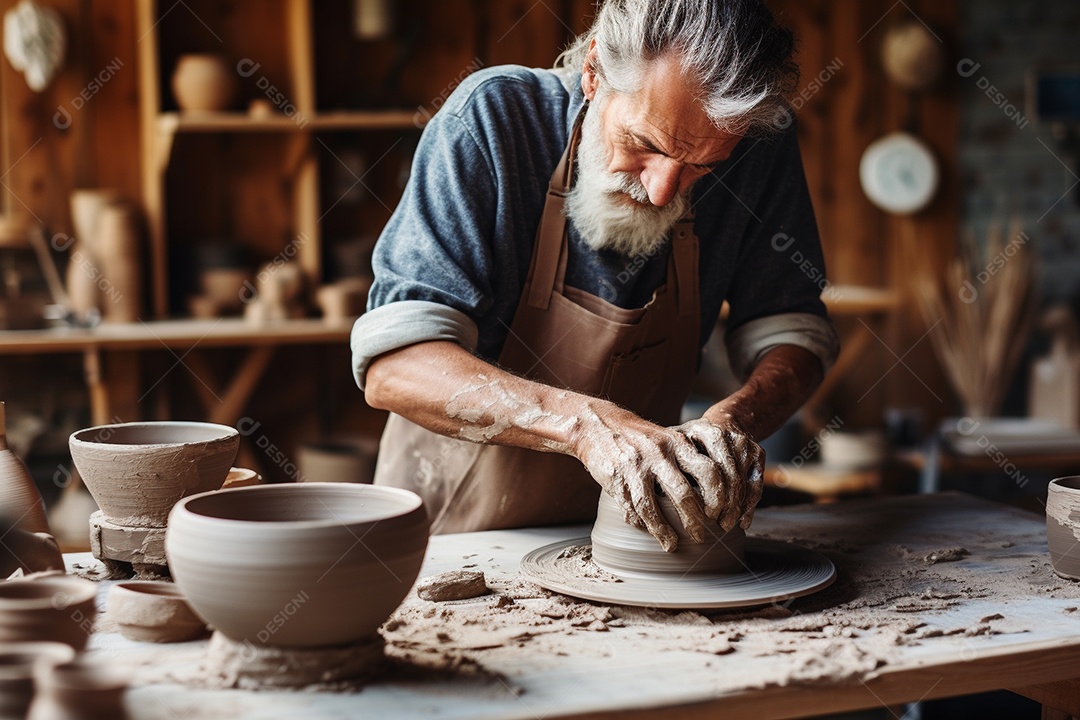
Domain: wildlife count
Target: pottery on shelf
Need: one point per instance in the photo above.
(204, 82)
(54, 608)
(79, 690)
(149, 611)
(625, 550)
(297, 565)
(138, 471)
(83, 270)
(118, 248)
(17, 662)
(20, 501)
(1063, 525)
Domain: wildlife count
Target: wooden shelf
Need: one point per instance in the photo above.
(171, 123)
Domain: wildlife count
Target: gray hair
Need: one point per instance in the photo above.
(734, 50)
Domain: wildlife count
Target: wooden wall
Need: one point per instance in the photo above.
(44, 160)
(839, 42)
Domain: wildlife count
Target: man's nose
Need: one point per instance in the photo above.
(661, 178)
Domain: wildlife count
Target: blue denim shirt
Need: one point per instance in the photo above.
(453, 259)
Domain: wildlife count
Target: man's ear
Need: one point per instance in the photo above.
(590, 82)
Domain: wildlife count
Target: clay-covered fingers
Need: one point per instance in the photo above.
(648, 509)
(738, 463)
(754, 472)
(684, 497)
(704, 471)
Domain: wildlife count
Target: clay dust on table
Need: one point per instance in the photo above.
(887, 596)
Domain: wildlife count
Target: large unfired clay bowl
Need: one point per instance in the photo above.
(297, 565)
(625, 550)
(1063, 525)
(138, 471)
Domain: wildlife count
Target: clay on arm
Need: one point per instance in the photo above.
(448, 390)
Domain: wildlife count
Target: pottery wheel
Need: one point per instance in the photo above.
(774, 571)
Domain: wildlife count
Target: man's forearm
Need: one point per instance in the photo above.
(778, 386)
(448, 390)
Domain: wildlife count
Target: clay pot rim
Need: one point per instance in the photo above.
(73, 590)
(40, 651)
(77, 438)
(80, 674)
(411, 504)
(150, 589)
(1069, 484)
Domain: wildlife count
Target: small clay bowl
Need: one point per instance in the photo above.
(297, 565)
(1063, 525)
(625, 550)
(17, 661)
(138, 471)
(148, 611)
(53, 609)
(79, 689)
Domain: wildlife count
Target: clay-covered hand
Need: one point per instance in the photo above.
(731, 484)
(630, 457)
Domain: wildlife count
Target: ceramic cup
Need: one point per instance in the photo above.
(55, 609)
(1063, 525)
(297, 565)
(149, 611)
(625, 550)
(17, 661)
(138, 471)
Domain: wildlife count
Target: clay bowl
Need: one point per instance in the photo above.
(54, 609)
(17, 661)
(297, 565)
(624, 550)
(138, 471)
(148, 611)
(1063, 526)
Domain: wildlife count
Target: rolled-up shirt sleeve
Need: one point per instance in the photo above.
(404, 323)
(747, 344)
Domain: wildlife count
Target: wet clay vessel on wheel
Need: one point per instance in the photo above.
(55, 609)
(623, 549)
(1063, 526)
(138, 471)
(148, 611)
(297, 565)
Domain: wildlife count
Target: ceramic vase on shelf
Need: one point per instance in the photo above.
(204, 82)
(20, 501)
(84, 266)
(118, 251)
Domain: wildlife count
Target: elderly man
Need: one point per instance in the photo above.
(560, 256)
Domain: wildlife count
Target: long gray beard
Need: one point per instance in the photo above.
(595, 207)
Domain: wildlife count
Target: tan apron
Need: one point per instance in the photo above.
(643, 359)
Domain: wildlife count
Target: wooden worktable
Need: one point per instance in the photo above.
(995, 618)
